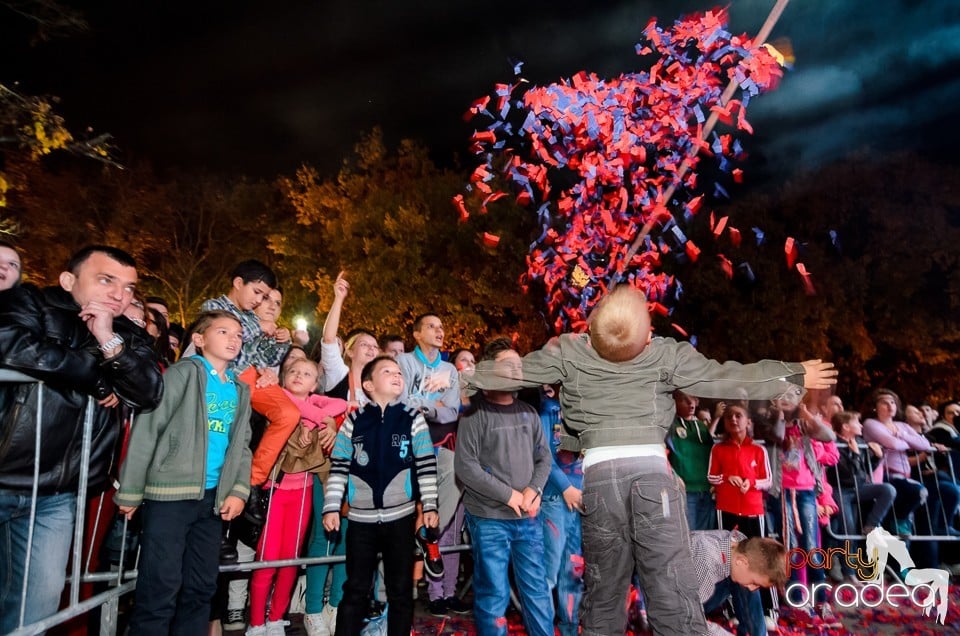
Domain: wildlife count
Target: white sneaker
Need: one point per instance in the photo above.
(771, 623)
(829, 618)
(276, 628)
(259, 630)
(329, 614)
(316, 624)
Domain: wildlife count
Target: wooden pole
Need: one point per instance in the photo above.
(728, 92)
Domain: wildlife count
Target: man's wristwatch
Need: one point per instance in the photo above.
(111, 344)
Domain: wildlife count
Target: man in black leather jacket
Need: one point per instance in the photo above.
(75, 340)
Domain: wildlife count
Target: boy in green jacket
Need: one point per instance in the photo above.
(616, 399)
(188, 464)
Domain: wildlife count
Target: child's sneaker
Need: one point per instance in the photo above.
(437, 608)
(830, 619)
(315, 625)
(427, 540)
(329, 614)
(457, 606)
(235, 620)
(259, 630)
(276, 628)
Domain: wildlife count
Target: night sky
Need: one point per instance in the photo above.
(259, 87)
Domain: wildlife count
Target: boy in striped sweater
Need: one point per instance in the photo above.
(383, 461)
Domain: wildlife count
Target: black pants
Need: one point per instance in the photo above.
(179, 559)
(394, 540)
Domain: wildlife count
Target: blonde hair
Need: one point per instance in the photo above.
(620, 324)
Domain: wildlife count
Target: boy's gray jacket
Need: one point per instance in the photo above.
(167, 455)
(613, 403)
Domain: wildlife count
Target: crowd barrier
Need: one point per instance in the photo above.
(122, 580)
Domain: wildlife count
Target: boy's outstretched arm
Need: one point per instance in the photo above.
(818, 374)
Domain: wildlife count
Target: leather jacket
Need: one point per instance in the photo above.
(42, 335)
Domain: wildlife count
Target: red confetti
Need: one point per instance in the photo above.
(807, 280)
(461, 207)
(790, 249)
(735, 237)
(726, 266)
(490, 240)
(622, 144)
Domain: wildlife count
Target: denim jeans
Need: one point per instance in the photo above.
(561, 542)
(806, 537)
(634, 520)
(910, 495)
(701, 511)
(52, 535)
(179, 559)
(747, 607)
(502, 543)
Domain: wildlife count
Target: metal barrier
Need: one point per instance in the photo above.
(123, 580)
(847, 535)
(13, 377)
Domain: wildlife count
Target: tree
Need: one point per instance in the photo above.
(186, 233)
(387, 219)
(887, 280)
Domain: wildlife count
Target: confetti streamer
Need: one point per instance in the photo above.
(606, 160)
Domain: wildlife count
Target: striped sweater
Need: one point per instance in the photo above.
(382, 463)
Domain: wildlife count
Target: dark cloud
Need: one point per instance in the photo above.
(262, 87)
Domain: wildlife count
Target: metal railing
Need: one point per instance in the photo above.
(123, 580)
(925, 507)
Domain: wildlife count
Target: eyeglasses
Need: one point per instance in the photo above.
(367, 345)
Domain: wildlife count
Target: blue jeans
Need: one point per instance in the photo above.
(808, 536)
(497, 544)
(52, 535)
(747, 607)
(701, 511)
(634, 520)
(561, 542)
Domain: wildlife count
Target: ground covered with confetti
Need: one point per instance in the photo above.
(905, 621)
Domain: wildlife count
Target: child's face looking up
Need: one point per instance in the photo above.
(386, 383)
(301, 377)
(221, 341)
